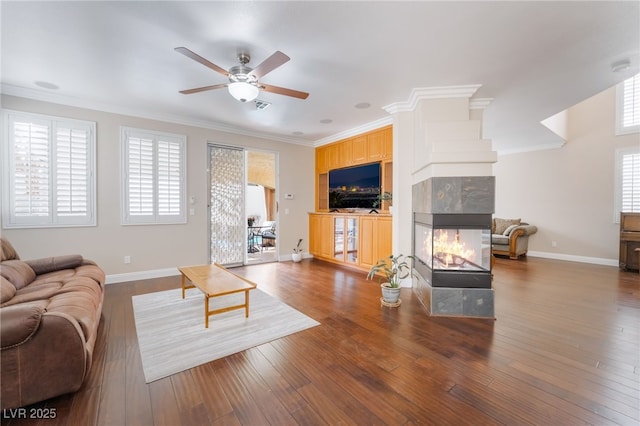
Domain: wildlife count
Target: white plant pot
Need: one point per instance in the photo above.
(390, 295)
(296, 257)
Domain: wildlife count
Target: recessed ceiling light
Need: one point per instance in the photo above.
(363, 105)
(47, 85)
(297, 133)
(621, 65)
(326, 121)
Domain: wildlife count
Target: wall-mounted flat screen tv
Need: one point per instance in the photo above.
(354, 187)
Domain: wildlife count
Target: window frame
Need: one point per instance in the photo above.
(155, 218)
(620, 112)
(617, 205)
(54, 219)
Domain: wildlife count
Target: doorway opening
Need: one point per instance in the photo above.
(261, 207)
(242, 206)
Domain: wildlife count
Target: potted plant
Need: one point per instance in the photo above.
(296, 256)
(385, 196)
(393, 269)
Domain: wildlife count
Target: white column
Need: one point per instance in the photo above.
(436, 132)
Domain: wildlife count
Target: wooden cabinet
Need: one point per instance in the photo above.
(359, 150)
(322, 198)
(327, 158)
(375, 239)
(345, 154)
(372, 147)
(354, 240)
(321, 235)
(380, 145)
(629, 241)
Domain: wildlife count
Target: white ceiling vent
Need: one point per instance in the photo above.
(260, 104)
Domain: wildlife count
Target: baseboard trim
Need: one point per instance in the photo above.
(406, 283)
(573, 258)
(141, 275)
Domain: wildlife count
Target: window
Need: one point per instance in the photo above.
(628, 106)
(153, 183)
(49, 178)
(627, 182)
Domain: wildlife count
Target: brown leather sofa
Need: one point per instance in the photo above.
(49, 315)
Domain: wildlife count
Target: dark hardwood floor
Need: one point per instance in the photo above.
(563, 350)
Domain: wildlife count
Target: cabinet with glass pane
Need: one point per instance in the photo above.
(345, 239)
(356, 240)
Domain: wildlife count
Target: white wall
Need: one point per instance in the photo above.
(158, 247)
(568, 192)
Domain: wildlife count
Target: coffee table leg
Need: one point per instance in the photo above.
(206, 311)
(182, 284)
(246, 303)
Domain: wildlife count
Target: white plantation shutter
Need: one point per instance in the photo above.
(628, 106)
(154, 182)
(31, 169)
(72, 175)
(169, 178)
(140, 172)
(630, 185)
(627, 189)
(49, 179)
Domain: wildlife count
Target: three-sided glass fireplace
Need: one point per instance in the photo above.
(453, 250)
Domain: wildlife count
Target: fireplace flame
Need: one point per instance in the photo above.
(451, 252)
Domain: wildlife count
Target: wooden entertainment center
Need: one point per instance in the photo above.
(352, 237)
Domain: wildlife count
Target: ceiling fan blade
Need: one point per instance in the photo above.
(189, 54)
(203, 89)
(283, 91)
(270, 64)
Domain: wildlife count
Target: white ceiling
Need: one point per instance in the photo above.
(534, 59)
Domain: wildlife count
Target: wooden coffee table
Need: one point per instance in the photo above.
(213, 281)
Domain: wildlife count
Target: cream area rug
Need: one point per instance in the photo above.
(172, 336)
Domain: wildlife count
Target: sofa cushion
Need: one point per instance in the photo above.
(500, 225)
(19, 273)
(80, 298)
(510, 228)
(499, 239)
(49, 264)
(34, 292)
(7, 252)
(7, 290)
(20, 322)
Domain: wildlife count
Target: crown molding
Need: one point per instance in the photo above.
(479, 103)
(421, 93)
(373, 125)
(44, 96)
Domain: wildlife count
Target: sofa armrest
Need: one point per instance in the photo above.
(523, 230)
(19, 322)
(55, 263)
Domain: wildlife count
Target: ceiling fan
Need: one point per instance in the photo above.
(243, 80)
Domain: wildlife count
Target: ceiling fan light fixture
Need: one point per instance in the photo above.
(244, 92)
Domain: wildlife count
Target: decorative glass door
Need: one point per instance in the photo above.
(226, 205)
(351, 240)
(345, 239)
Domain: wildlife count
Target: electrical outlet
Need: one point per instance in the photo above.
(127, 259)
(554, 244)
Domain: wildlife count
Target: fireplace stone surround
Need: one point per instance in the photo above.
(452, 245)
